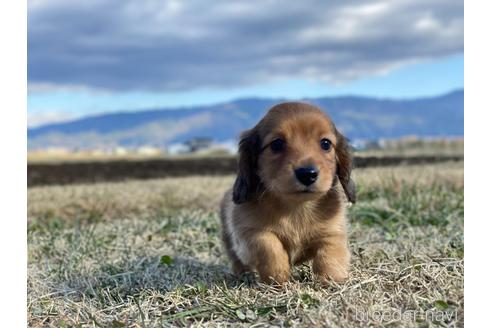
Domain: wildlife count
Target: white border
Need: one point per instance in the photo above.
(478, 217)
(13, 87)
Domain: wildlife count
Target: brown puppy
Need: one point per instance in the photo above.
(286, 206)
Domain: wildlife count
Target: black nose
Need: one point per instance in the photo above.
(306, 175)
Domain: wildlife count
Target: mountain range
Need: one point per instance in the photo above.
(359, 118)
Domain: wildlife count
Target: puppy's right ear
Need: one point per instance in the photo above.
(247, 181)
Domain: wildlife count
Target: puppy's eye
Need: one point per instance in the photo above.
(277, 145)
(325, 144)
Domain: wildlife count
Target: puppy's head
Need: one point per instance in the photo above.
(294, 152)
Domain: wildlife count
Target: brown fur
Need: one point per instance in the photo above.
(270, 220)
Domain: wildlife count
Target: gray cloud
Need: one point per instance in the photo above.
(182, 45)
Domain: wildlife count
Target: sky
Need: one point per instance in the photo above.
(97, 56)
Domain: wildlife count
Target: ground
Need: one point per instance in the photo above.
(148, 253)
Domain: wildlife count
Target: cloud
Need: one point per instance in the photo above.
(182, 45)
(38, 119)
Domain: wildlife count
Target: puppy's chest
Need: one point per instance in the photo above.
(298, 234)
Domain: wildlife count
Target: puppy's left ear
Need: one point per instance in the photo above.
(344, 166)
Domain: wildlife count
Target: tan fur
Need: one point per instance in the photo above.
(274, 221)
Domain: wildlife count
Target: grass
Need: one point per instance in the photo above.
(417, 147)
(148, 253)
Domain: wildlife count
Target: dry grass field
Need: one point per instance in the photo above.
(148, 254)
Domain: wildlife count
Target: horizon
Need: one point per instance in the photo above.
(358, 118)
(192, 107)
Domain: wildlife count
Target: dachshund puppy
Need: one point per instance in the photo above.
(286, 206)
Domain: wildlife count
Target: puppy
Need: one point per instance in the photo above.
(286, 206)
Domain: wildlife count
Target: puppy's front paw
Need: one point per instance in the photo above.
(336, 272)
(277, 270)
(272, 261)
(329, 265)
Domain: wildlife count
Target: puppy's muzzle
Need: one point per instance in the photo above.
(306, 175)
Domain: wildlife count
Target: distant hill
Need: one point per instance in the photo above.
(358, 117)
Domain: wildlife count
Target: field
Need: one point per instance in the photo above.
(148, 253)
(76, 172)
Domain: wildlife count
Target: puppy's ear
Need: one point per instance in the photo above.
(344, 167)
(247, 181)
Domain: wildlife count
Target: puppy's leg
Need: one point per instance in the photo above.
(238, 268)
(332, 260)
(271, 258)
